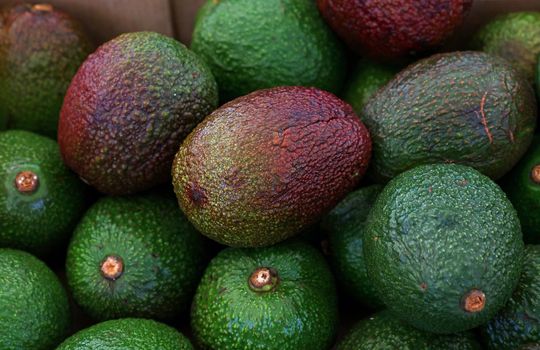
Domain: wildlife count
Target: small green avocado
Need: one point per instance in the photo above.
(134, 257)
(280, 297)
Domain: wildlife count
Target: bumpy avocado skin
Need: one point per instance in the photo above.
(256, 44)
(299, 313)
(518, 322)
(34, 309)
(43, 220)
(40, 52)
(163, 258)
(127, 333)
(345, 227)
(384, 331)
(129, 107)
(514, 37)
(437, 233)
(461, 107)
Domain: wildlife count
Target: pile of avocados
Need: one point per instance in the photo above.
(307, 175)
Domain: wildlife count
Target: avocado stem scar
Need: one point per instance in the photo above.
(535, 174)
(26, 182)
(112, 267)
(263, 279)
(474, 301)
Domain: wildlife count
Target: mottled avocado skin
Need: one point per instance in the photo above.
(256, 44)
(262, 167)
(41, 48)
(436, 234)
(34, 309)
(299, 313)
(127, 333)
(129, 107)
(461, 107)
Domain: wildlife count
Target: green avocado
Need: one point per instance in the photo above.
(384, 331)
(256, 44)
(34, 309)
(127, 334)
(280, 297)
(443, 245)
(134, 257)
(345, 227)
(41, 200)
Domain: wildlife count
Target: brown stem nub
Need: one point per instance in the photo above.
(42, 7)
(474, 301)
(112, 267)
(26, 182)
(263, 279)
(535, 174)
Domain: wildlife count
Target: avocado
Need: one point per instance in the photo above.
(280, 297)
(127, 334)
(443, 247)
(134, 257)
(34, 309)
(518, 323)
(266, 165)
(345, 226)
(390, 29)
(129, 107)
(383, 331)
(256, 44)
(41, 48)
(460, 107)
(515, 37)
(41, 200)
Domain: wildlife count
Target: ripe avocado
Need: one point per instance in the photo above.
(257, 44)
(134, 257)
(127, 333)
(461, 107)
(34, 309)
(345, 226)
(443, 246)
(280, 297)
(262, 167)
(41, 48)
(129, 107)
(41, 200)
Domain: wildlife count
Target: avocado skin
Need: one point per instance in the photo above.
(265, 166)
(256, 44)
(129, 107)
(434, 234)
(345, 227)
(34, 309)
(41, 221)
(127, 333)
(163, 257)
(300, 313)
(461, 107)
(517, 323)
(40, 52)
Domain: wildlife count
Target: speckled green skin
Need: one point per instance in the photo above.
(127, 334)
(256, 44)
(299, 313)
(34, 309)
(434, 234)
(162, 253)
(43, 220)
(345, 225)
(462, 107)
(518, 322)
(40, 51)
(515, 37)
(382, 331)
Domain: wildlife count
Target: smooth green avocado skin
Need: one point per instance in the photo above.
(256, 44)
(383, 331)
(299, 313)
(345, 227)
(436, 233)
(163, 258)
(127, 334)
(518, 322)
(43, 220)
(34, 309)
